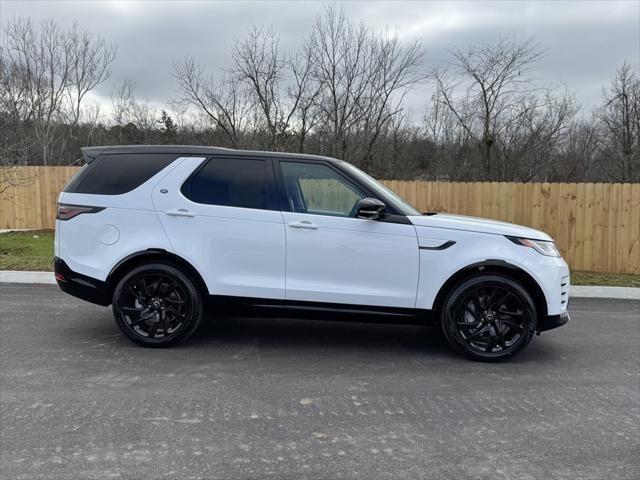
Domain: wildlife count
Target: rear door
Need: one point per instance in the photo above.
(334, 257)
(219, 215)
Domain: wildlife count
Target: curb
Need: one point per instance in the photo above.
(13, 276)
(621, 293)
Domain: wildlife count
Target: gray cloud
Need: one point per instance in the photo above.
(587, 41)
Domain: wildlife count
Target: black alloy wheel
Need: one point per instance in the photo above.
(489, 318)
(157, 305)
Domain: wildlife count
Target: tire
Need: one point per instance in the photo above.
(488, 318)
(157, 305)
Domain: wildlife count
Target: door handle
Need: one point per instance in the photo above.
(304, 224)
(182, 212)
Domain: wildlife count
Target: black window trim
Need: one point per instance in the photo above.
(272, 203)
(391, 215)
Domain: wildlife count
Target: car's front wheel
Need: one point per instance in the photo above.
(488, 317)
(157, 305)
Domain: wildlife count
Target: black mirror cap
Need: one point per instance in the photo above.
(370, 209)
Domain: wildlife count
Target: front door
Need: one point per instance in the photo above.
(218, 215)
(334, 257)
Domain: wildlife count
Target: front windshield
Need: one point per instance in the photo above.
(397, 202)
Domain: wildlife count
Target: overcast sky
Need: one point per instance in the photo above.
(587, 40)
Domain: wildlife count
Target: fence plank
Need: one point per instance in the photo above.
(596, 226)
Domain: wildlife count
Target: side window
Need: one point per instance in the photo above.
(116, 174)
(230, 182)
(318, 189)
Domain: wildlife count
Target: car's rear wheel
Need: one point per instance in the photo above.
(488, 318)
(157, 305)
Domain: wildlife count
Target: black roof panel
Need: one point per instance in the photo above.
(92, 152)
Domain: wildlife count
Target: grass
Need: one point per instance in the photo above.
(33, 250)
(607, 279)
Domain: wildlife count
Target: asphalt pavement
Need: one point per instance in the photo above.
(275, 398)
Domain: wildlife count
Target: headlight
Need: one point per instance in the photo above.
(541, 246)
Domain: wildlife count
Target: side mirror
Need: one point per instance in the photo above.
(369, 208)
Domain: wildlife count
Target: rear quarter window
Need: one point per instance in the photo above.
(118, 174)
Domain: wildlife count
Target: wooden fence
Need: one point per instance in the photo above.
(596, 225)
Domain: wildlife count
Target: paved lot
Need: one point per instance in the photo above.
(300, 399)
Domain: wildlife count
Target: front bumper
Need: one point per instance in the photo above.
(81, 286)
(549, 322)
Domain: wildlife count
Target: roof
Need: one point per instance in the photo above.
(92, 152)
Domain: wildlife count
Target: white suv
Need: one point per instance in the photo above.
(162, 231)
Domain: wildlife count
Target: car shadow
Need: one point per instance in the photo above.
(286, 332)
(304, 336)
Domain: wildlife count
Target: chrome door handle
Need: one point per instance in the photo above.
(304, 224)
(180, 213)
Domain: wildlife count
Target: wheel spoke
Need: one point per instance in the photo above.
(492, 296)
(133, 310)
(490, 343)
(140, 297)
(174, 301)
(156, 284)
(153, 330)
(143, 318)
(175, 313)
(166, 288)
(142, 285)
(476, 301)
(166, 322)
(511, 314)
(501, 341)
(501, 300)
(479, 332)
(468, 324)
(513, 325)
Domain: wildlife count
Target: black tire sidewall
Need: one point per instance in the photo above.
(474, 282)
(194, 298)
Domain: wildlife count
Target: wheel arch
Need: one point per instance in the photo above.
(500, 267)
(154, 255)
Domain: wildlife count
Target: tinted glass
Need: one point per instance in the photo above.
(388, 196)
(230, 182)
(117, 174)
(318, 189)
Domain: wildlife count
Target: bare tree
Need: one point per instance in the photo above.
(90, 61)
(281, 86)
(528, 141)
(123, 102)
(43, 60)
(363, 76)
(260, 66)
(620, 123)
(224, 102)
(45, 69)
(303, 92)
(486, 87)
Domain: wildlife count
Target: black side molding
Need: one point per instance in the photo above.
(444, 246)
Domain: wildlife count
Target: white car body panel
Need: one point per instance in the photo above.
(350, 260)
(78, 242)
(473, 248)
(475, 224)
(238, 251)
